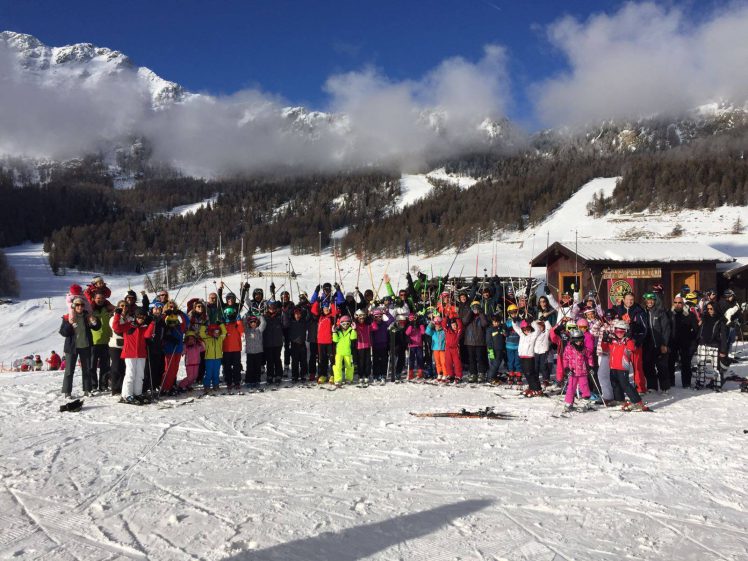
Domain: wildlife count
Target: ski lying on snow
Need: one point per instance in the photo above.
(177, 403)
(487, 413)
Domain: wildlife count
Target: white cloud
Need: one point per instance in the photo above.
(401, 123)
(643, 60)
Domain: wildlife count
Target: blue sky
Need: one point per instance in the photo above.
(290, 48)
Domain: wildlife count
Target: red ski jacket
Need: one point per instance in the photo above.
(620, 352)
(134, 336)
(452, 336)
(325, 323)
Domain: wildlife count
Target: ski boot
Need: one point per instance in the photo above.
(322, 380)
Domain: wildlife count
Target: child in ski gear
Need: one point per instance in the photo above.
(38, 363)
(116, 362)
(363, 346)
(232, 347)
(272, 342)
(212, 336)
(577, 360)
(135, 333)
(512, 344)
(475, 342)
(633, 314)
(452, 362)
(344, 337)
(297, 333)
(526, 351)
(397, 345)
(325, 322)
(620, 351)
(193, 351)
(414, 333)
(380, 343)
(541, 350)
(495, 342)
(253, 329)
(435, 331)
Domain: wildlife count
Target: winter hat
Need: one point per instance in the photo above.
(97, 278)
(582, 323)
(524, 324)
(438, 320)
(76, 290)
(78, 300)
(131, 294)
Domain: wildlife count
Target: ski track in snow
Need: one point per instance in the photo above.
(350, 475)
(308, 474)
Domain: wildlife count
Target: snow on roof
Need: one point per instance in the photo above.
(732, 269)
(640, 251)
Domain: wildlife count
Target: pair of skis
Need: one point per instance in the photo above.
(487, 413)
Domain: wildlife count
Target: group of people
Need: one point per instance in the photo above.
(486, 332)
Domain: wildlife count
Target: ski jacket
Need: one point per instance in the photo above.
(637, 321)
(116, 341)
(324, 323)
(155, 343)
(273, 335)
(92, 289)
(658, 327)
(397, 338)
(414, 333)
(312, 327)
(619, 351)
(685, 327)
(438, 337)
(713, 332)
(54, 361)
(577, 360)
(543, 341)
(730, 312)
(452, 336)
(102, 336)
(363, 334)
(192, 353)
(475, 329)
(253, 336)
(324, 299)
(563, 310)
(447, 311)
(135, 337)
(495, 340)
(213, 345)
(379, 336)
(67, 330)
(526, 347)
(297, 330)
(174, 339)
(549, 314)
(512, 339)
(234, 332)
(344, 339)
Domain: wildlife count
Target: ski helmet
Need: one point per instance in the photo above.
(376, 312)
(729, 293)
(359, 314)
(285, 294)
(691, 298)
(411, 317)
(345, 320)
(511, 308)
(141, 313)
(298, 310)
(438, 320)
(231, 296)
(582, 323)
(649, 296)
(444, 294)
(253, 319)
(576, 335)
(229, 312)
(402, 317)
(496, 317)
(327, 287)
(524, 324)
(257, 292)
(619, 324)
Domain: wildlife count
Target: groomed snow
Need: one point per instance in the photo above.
(184, 210)
(412, 189)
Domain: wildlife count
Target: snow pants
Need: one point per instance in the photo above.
(415, 358)
(708, 358)
(573, 383)
(100, 367)
(212, 373)
(286, 349)
(325, 357)
(254, 368)
(154, 370)
(512, 360)
(397, 363)
(440, 362)
(313, 352)
(476, 359)
(343, 362)
(640, 377)
(683, 354)
(134, 373)
(619, 379)
(493, 368)
(656, 367)
(192, 371)
(273, 363)
(71, 359)
(232, 367)
(298, 361)
(363, 363)
(542, 367)
(531, 376)
(117, 370)
(379, 363)
(603, 375)
(452, 362)
(171, 367)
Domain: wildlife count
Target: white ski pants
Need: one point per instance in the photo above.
(134, 374)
